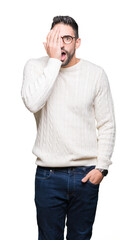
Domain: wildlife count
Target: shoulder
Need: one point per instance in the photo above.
(95, 71)
(37, 63)
(92, 66)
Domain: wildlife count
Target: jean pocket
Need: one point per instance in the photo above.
(92, 184)
(88, 181)
(43, 174)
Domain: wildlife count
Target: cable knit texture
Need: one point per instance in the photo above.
(74, 112)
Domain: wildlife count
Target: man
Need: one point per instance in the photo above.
(70, 99)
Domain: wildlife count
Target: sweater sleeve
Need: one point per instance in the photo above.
(105, 118)
(37, 88)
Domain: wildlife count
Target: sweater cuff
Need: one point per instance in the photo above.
(53, 66)
(103, 164)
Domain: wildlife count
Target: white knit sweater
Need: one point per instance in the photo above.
(74, 112)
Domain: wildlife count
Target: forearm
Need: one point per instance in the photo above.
(106, 142)
(36, 89)
(106, 125)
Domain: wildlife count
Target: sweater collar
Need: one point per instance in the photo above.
(72, 68)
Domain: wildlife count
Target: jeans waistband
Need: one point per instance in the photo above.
(69, 169)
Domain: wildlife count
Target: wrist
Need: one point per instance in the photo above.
(54, 57)
(103, 171)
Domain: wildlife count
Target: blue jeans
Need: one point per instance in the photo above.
(59, 193)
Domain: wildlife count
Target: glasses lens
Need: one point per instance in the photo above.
(67, 39)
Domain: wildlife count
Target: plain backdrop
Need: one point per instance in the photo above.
(108, 38)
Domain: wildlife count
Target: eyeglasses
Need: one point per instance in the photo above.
(67, 39)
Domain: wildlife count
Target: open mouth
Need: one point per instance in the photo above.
(63, 55)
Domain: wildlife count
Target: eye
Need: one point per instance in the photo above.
(67, 38)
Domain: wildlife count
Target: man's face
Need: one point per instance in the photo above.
(70, 48)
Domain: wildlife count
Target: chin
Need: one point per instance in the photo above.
(64, 64)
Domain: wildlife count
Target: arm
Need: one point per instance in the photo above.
(36, 89)
(106, 126)
(104, 114)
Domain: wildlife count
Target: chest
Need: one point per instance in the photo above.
(74, 92)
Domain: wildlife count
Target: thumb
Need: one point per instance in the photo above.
(45, 44)
(85, 178)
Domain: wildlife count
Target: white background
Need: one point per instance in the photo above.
(108, 32)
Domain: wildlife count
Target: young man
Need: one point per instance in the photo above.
(70, 99)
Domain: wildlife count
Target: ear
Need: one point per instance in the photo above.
(78, 42)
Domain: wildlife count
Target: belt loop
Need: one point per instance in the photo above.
(84, 169)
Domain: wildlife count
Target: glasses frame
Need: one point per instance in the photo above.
(67, 36)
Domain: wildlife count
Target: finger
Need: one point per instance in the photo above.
(92, 179)
(59, 39)
(45, 45)
(48, 36)
(51, 37)
(55, 37)
(85, 178)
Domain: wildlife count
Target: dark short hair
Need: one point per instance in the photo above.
(68, 21)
